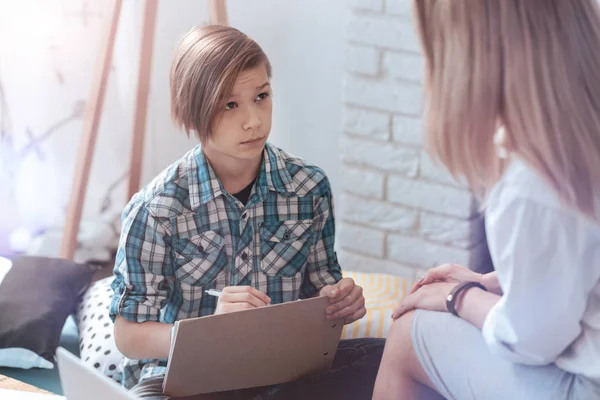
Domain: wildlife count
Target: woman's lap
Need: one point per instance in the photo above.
(456, 358)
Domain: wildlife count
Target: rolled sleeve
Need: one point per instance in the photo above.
(544, 253)
(142, 268)
(322, 267)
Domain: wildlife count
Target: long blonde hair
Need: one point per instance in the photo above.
(532, 66)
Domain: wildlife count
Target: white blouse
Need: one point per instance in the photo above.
(547, 258)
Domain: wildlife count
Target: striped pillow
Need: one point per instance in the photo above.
(382, 292)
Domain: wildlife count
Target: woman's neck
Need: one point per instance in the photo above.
(234, 174)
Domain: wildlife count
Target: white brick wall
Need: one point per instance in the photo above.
(370, 5)
(399, 212)
(383, 94)
(363, 240)
(378, 214)
(383, 31)
(403, 66)
(363, 182)
(384, 156)
(374, 124)
(362, 59)
(432, 197)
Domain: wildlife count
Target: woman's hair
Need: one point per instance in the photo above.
(532, 66)
(206, 64)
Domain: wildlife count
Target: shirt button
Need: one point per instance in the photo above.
(201, 248)
(244, 215)
(286, 236)
(244, 256)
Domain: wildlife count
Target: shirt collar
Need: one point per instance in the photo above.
(204, 185)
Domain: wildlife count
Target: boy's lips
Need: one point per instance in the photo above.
(252, 141)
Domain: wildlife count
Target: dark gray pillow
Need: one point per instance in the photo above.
(36, 297)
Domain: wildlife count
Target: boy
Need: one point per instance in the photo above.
(236, 214)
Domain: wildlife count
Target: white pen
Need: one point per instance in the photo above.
(218, 293)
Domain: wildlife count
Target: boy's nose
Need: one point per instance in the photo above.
(252, 120)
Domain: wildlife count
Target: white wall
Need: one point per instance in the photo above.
(400, 213)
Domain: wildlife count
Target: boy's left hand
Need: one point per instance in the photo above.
(346, 301)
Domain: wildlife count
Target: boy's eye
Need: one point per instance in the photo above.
(230, 105)
(262, 96)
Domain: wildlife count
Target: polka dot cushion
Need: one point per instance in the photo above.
(96, 342)
(382, 292)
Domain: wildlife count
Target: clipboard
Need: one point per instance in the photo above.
(250, 348)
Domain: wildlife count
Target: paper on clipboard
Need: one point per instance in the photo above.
(251, 348)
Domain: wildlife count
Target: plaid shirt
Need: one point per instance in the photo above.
(183, 234)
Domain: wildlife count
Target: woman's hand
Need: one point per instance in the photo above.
(448, 273)
(236, 298)
(430, 297)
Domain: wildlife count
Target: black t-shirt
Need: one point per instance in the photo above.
(244, 194)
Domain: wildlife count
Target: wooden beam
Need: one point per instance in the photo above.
(141, 105)
(91, 124)
(218, 12)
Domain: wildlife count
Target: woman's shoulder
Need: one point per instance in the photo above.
(520, 182)
(522, 187)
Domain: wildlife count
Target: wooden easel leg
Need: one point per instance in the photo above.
(93, 115)
(143, 88)
(218, 12)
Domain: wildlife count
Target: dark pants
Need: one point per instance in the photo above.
(352, 376)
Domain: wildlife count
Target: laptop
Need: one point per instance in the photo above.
(82, 382)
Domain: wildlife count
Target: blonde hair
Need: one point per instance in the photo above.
(206, 64)
(532, 66)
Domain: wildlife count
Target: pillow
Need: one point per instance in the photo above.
(36, 297)
(382, 293)
(96, 340)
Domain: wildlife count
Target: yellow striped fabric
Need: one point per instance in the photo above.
(382, 292)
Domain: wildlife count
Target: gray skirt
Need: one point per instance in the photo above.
(460, 365)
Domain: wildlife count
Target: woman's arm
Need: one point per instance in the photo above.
(474, 305)
(490, 281)
(457, 273)
(549, 258)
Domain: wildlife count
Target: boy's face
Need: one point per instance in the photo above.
(241, 131)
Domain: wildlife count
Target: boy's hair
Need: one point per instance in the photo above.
(532, 66)
(206, 64)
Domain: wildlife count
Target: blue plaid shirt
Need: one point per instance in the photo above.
(183, 234)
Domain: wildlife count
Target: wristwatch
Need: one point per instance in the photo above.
(456, 291)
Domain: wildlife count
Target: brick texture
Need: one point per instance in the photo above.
(399, 212)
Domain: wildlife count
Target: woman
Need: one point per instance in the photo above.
(512, 105)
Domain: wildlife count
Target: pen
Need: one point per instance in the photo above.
(214, 292)
(217, 293)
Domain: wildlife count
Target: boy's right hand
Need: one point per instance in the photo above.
(236, 298)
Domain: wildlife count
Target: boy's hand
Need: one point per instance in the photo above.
(236, 298)
(346, 301)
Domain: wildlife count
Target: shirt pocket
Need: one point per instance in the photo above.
(199, 258)
(285, 246)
